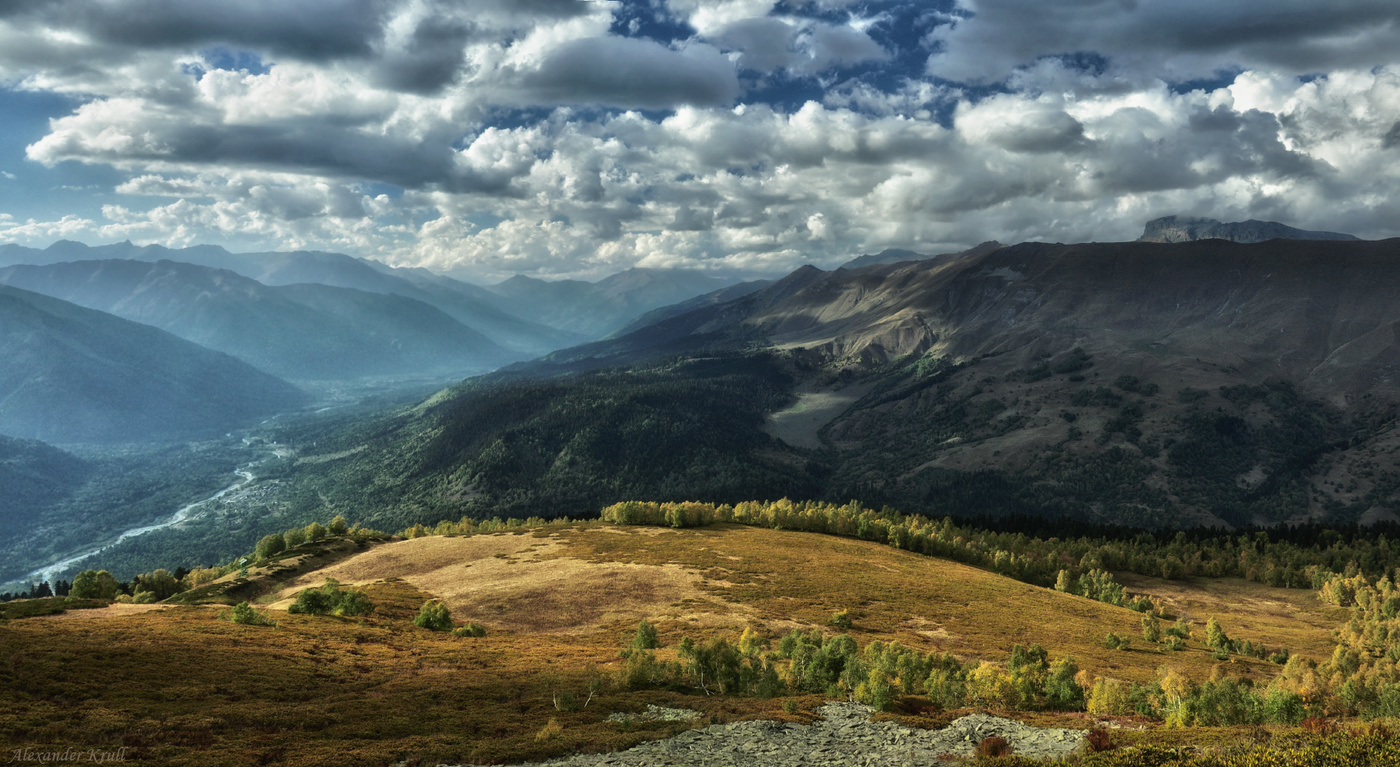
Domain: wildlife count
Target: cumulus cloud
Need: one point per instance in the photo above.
(1179, 40)
(625, 72)
(312, 29)
(570, 138)
(803, 46)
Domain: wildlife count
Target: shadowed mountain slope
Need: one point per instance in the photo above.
(1156, 384)
(77, 375)
(34, 476)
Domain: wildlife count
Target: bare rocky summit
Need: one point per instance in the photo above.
(1186, 229)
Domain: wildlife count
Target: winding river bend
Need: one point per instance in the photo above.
(51, 571)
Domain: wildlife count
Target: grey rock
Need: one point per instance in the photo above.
(844, 736)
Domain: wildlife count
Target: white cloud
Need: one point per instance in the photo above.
(491, 139)
(1178, 40)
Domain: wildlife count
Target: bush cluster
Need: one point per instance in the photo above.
(331, 599)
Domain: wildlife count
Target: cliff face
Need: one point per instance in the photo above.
(1185, 229)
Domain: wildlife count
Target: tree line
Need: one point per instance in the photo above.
(1302, 557)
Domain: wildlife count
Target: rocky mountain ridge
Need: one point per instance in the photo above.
(1187, 229)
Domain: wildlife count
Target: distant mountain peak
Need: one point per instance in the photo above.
(69, 244)
(1189, 229)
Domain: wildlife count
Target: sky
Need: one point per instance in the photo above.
(577, 138)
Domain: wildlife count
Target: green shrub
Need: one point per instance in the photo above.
(338, 525)
(1062, 692)
(1216, 638)
(315, 532)
(470, 630)
(94, 584)
(294, 537)
(646, 638)
(875, 691)
(842, 619)
(244, 614)
(159, 582)
(434, 616)
(330, 598)
(313, 602)
(271, 545)
(354, 602)
(1115, 642)
(564, 701)
(1151, 628)
(1181, 629)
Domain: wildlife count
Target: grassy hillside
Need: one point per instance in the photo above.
(180, 686)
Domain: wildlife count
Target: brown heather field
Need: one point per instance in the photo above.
(178, 686)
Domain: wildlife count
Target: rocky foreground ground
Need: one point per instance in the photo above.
(845, 736)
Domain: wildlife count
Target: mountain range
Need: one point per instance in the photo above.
(1207, 382)
(597, 309)
(470, 305)
(1155, 384)
(524, 315)
(301, 331)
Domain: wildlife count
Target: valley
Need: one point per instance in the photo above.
(1165, 470)
(186, 513)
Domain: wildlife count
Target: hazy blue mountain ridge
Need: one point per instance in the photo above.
(73, 374)
(470, 305)
(299, 331)
(597, 309)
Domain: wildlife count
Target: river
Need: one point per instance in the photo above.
(51, 571)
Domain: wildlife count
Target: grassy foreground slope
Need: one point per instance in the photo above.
(179, 686)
